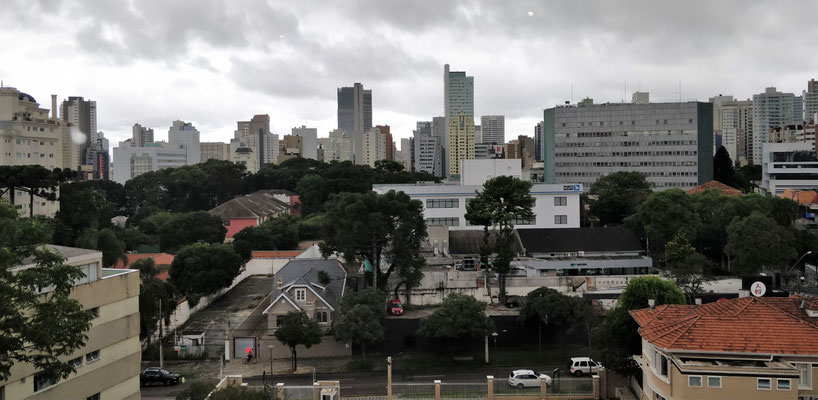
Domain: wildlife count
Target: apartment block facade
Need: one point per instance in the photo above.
(770, 109)
(788, 166)
(458, 104)
(671, 143)
(108, 366)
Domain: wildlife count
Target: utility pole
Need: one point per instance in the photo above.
(161, 320)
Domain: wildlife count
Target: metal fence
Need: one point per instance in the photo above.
(502, 387)
(575, 386)
(463, 390)
(298, 392)
(413, 390)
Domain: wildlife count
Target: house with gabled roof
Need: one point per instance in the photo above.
(745, 348)
(249, 210)
(299, 288)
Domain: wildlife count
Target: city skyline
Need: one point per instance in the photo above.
(151, 66)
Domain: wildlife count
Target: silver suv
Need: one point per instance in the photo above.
(584, 365)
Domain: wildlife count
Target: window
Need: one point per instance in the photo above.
(300, 294)
(95, 311)
(280, 320)
(657, 396)
(91, 357)
(805, 375)
(714, 381)
(763, 384)
(560, 219)
(694, 381)
(783, 384)
(41, 383)
(75, 363)
(442, 203)
(93, 397)
(443, 221)
(560, 201)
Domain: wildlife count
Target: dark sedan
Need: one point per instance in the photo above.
(155, 375)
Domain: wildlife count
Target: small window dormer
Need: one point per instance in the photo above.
(300, 294)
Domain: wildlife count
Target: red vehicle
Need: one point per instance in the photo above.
(395, 307)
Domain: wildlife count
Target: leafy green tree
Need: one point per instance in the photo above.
(503, 201)
(310, 227)
(106, 241)
(152, 291)
(618, 195)
(478, 213)
(618, 337)
(280, 233)
(313, 192)
(374, 226)
(715, 211)
(298, 329)
(569, 315)
(663, 214)
(34, 180)
(459, 317)
(756, 242)
(689, 269)
(192, 227)
(723, 170)
(201, 269)
(40, 330)
(359, 324)
(89, 204)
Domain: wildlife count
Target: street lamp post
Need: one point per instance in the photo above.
(798, 277)
(494, 336)
(270, 347)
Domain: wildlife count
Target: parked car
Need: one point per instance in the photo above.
(521, 378)
(584, 365)
(395, 307)
(515, 301)
(155, 375)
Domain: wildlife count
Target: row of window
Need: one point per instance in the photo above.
(627, 153)
(442, 203)
(631, 143)
(443, 221)
(633, 122)
(40, 382)
(669, 132)
(626, 164)
(28, 155)
(28, 141)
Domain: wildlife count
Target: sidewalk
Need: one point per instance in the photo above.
(283, 366)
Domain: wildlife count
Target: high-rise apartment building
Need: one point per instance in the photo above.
(427, 150)
(215, 151)
(142, 136)
(355, 115)
(538, 142)
(82, 115)
(671, 143)
(375, 146)
(255, 134)
(478, 134)
(737, 129)
(439, 129)
(290, 146)
(493, 129)
(309, 136)
(183, 135)
(337, 147)
(29, 136)
(809, 101)
(770, 109)
(458, 101)
(525, 151)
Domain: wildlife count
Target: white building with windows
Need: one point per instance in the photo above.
(788, 166)
(556, 205)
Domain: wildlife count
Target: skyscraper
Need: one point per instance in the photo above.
(538, 141)
(82, 115)
(309, 136)
(255, 133)
(355, 115)
(458, 102)
(809, 99)
(770, 109)
(494, 129)
(183, 135)
(736, 129)
(427, 149)
(142, 136)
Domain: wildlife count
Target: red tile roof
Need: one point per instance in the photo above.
(766, 325)
(162, 261)
(801, 196)
(275, 253)
(715, 185)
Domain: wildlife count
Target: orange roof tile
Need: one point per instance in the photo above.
(767, 325)
(801, 196)
(158, 259)
(275, 253)
(715, 185)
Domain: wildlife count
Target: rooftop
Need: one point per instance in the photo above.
(569, 240)
(65, 251)
(254, 205)
(754, 325)
(715, 185)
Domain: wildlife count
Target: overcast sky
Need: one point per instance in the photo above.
(214, 62)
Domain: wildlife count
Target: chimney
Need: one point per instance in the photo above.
(698, 302)
(280, 283)
(651, 303)
(53, 106)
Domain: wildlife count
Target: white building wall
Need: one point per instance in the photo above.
(547, 213)
(477, 172)
(771, 169)
(309, 138)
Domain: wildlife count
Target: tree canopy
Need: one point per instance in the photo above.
(192, 227)
(375, 226)
(503, 201)
(201, 269)
(152, 291)
(458, 318)
(40, 330)
(297, 329)
(756, 242)
(618, 195)
(280, 233)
